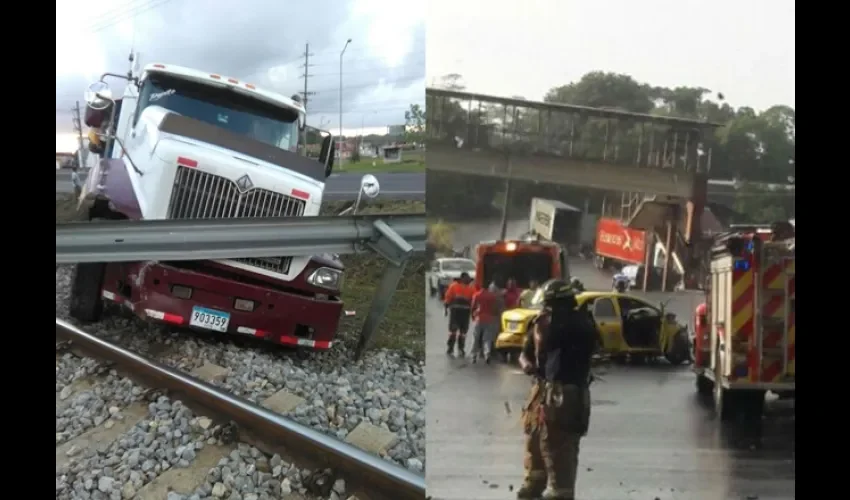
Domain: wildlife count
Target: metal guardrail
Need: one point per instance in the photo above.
(365, 469)
(393, 236)
(129, 241)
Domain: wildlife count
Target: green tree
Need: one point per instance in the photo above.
(598, 89)
(414, 120)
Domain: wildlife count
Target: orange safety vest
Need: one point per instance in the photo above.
(459, 295)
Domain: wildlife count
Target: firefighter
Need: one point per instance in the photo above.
(458, 307)
(557, 352)
(527, 294)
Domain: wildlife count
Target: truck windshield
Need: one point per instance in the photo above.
(520, 266)
(223, 108)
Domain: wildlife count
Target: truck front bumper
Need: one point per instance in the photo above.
(278, 316)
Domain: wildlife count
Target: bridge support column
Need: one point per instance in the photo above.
(649, 245)
(670, 246)
(694, 208)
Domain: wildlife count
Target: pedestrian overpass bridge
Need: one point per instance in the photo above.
(660, 164)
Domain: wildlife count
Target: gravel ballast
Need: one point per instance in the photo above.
(386, 388)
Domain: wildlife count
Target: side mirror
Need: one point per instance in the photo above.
(326, 154)
(369, 186)
(99, 104)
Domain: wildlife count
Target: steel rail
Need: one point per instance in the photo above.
(370, 471)
(199, 239)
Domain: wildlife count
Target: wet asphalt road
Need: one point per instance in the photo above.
(340, 187)
(650, 437)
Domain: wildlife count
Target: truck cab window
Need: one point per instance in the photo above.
(223, 108)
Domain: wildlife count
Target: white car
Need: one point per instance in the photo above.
(446, 269)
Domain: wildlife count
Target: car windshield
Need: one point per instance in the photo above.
(459, 265)
(223, 108)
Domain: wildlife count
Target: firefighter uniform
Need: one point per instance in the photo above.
(458, 303)
(557, 412)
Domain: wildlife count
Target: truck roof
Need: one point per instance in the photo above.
(204, 77)
(559, 204)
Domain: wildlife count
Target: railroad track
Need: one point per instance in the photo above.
(244, 443)
(108, 417)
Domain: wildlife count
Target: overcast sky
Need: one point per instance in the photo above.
(260, 41)
(742, 48)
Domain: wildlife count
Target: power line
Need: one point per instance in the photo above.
(375, 84)
(129, 14)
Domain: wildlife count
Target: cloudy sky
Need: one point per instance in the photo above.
(743, 48)
(260, 41)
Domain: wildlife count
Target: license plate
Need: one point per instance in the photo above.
(209, 319)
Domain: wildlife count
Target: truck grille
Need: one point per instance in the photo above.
(201, 195)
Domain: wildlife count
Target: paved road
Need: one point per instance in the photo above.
(340, 187)
(650, 437)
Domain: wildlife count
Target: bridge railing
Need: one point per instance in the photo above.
(474, 121)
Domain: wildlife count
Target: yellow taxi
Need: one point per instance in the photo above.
(627, 325)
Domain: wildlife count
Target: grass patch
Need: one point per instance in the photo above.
(66, 208)
(403, 327)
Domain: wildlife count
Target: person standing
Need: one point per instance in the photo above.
(76, 181)
(458, 307)
(487, 305)
(512, 294)
(557, 352)
(527, 294)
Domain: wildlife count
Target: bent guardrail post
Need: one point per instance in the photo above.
(390, 480)
(397, 251)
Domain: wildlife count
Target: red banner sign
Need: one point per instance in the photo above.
(615, 241)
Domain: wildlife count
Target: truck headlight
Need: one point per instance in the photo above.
(326, 277)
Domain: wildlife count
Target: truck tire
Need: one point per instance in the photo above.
(705, 386)
(86, 303)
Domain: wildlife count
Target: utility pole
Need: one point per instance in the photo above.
(78, 127)
(306, 76)
(305, 95)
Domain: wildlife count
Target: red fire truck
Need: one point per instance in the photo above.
(745, 341)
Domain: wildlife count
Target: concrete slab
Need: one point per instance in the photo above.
(371, 438)
(209, 372)
(184, 480)
(282, 402)
(102, 435)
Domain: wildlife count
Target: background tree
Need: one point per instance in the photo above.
(414, 120)
(750, 146)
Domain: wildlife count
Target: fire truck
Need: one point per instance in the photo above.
(747, 344)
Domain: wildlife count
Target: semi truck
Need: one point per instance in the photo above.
(181, 143)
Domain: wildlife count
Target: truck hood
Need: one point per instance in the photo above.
(178, 125)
